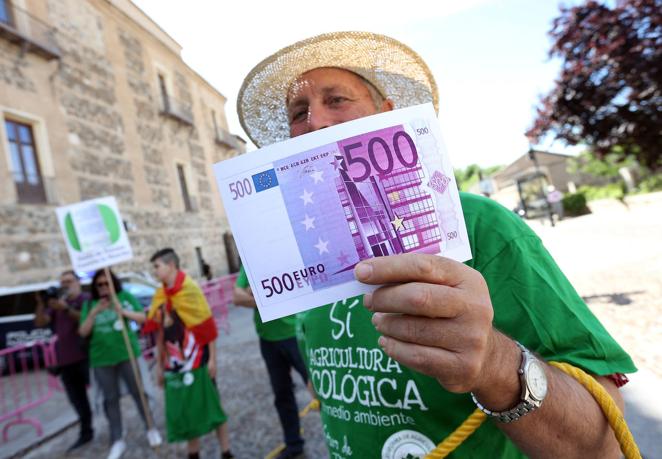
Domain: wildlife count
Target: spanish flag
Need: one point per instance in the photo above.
(186, 298)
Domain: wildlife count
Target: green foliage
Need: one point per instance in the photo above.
(574, 204)
(612, 190)
(607, 166)
(651, 183)
(469, 176)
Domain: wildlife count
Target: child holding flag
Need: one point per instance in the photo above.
(187, 356)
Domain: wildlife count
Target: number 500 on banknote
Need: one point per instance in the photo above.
(305, 211)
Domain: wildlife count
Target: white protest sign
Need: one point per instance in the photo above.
(94, 233)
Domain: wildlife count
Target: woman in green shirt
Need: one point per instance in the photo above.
(109, 357)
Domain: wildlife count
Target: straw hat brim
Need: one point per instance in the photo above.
(394, 69)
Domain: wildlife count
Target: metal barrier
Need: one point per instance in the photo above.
(219, 295)
(25, 383)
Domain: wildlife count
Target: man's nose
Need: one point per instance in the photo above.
(318, 117)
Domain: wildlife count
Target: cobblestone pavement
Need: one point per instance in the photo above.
(613, 259)
(245, 395)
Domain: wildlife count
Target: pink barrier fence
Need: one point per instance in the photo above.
(219, 295)
(24, 383)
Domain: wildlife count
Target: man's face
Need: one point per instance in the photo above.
(163, 271)
(327, 96)
(69, 283)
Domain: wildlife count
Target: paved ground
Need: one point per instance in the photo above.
(614, 260)
(246, 398)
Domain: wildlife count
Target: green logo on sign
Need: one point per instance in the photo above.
(110, 222)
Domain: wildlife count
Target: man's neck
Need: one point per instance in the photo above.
(170, 281)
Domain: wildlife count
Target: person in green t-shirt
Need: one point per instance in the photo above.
(280, 352)
(399, 369)
(109, 358)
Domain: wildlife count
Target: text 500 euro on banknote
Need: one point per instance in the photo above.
(305, 211)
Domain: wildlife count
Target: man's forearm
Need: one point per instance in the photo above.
(569, 423)
(241, 297)
(138, 317)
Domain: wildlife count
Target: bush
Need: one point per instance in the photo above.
(574, 204)
(650, 184)
(612, 190)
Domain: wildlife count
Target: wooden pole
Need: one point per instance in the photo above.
(129, 348)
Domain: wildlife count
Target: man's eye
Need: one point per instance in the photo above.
(300, 115)
(337, 99)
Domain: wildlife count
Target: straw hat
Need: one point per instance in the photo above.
(393, 68)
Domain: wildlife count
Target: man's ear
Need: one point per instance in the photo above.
(387, 105)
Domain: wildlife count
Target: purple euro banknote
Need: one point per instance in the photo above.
(377, 190)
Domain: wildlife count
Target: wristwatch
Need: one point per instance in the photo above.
(534, 389)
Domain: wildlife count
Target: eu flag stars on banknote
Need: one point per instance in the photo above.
(305, 211)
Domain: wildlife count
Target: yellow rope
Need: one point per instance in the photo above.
(599, 393)
(609, 408)
(454, 440)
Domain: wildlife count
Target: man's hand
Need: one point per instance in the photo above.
(57, 304)
(435, 315)
(211, 368)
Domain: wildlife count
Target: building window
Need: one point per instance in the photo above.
(164, 93)
(184, 188)
(213, 118)
(5, 12)
(25, 163)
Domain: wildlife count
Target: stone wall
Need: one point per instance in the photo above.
(116, 143)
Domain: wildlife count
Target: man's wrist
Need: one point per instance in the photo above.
(500, 387)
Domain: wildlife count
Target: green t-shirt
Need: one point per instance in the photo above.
(373, 407)
(274, 330)
(106, 343)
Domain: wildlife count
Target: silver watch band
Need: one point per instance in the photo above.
(522, 408)
(511, 415)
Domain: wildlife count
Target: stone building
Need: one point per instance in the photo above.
(95, 100)
(525, 181)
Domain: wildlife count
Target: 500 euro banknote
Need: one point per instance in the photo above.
(305, 211)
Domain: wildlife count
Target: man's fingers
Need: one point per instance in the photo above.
(443, 333)
(410, 267)
(424, 359)
(416, 299)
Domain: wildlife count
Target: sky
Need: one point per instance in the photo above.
(489, 57)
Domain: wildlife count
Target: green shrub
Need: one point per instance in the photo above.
(574, 204)
(650, 184)
(611, 190)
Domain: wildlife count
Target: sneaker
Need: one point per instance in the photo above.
(154, 438)
(82, 440)
(117, 449)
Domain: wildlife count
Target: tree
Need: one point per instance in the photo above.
(609, 91)
(468, 177)
(608, 166)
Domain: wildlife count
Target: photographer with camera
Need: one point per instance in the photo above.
(62, 313)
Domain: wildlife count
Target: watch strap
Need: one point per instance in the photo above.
(523, 407)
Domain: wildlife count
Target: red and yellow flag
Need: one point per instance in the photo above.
(186, 298)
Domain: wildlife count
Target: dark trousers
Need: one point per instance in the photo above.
(75, 378)
(109, 382)
(280, 357)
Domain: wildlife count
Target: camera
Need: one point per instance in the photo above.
(52, 292)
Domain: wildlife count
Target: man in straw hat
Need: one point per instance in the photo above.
(399, 369)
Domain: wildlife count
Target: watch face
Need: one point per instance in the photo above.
(536, 380)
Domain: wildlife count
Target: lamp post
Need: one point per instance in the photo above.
(532, 157)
